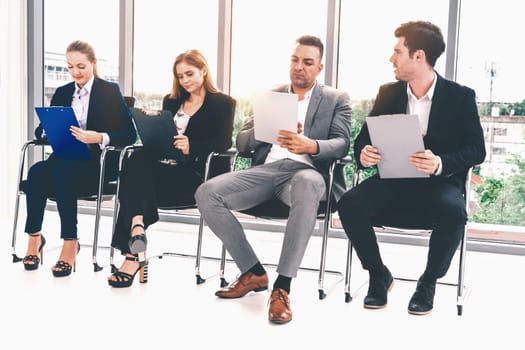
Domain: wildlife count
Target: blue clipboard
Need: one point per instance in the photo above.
(56, 122)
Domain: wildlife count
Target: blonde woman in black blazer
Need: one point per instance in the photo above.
(104, 119)
(148, 183)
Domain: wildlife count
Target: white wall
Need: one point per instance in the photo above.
(13, 98)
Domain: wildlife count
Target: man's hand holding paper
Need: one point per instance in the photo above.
(398, 142)
(274, 112)
(369, 156)
(426, 162)
(296, 142)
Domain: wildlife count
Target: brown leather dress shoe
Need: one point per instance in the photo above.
(279, 311)
(246, 283)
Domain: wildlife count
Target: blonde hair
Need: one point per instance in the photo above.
(86, 49)
(196, 59)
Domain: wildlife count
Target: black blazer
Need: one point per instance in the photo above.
(454, 130)
(107, 112)
(210, 129)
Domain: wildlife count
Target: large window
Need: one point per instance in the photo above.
(162, 30)
(490, 60)
(68, 20)
(263, 35)
(367, 41)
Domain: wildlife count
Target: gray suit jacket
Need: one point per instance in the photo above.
(327, 121)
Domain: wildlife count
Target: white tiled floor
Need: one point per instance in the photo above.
(171, 311)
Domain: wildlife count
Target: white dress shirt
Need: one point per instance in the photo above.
(80, 105)
(421, 108)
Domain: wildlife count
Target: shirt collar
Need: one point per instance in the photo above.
(307, 95)
(88, 86)
(429, 94)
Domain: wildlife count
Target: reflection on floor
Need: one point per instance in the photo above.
(82, 312)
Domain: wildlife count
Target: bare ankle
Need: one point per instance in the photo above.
(138, 229)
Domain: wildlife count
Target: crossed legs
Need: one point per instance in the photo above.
(296, 184)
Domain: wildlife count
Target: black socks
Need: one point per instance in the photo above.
(283, 282)
(257, 269)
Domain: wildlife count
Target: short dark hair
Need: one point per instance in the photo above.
(310, 40)
(422, 35)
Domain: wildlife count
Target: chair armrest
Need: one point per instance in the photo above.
(230, 153)
(40, 142)
(248, 154)
(344, 161)
(34, 142)
(124, 153)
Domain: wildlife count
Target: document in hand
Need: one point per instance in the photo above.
(397, 137)
(274, 111)
(156, 131)
(56, 122)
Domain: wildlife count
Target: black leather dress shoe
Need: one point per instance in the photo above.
(422, 302)
(378, 288)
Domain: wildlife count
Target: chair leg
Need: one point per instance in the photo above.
(15, 224)
(461, 273)
(96, 266)
(224, 283)
(348, 297)
(198, 255)
(326, 225)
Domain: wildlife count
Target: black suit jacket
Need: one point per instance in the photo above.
(107, 112)
(209, 130)
(454, 130)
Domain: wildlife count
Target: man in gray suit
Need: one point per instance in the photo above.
(295, 171)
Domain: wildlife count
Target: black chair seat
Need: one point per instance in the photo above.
(276, 209)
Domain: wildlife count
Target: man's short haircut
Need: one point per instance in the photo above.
(422, 35)
(310, 40)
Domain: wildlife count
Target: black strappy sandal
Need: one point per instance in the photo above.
(138, 243)
(65, 268)
(124, 280)
(31, 262)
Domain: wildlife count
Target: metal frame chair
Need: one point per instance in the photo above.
(106, 191)
(462, 290)
(125, 153)
(275, 209)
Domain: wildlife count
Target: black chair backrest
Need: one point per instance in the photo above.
(130, 101)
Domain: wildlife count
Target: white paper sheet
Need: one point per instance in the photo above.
(274, 111)
(396, 137)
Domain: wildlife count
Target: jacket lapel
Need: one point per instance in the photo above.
(435, 107)
(313, 105)
(94, 102)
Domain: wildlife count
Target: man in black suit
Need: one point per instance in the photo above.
(454, 142)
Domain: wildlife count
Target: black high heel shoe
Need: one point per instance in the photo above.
(65, 268)
(33, 261)
(138, 243)
(124, 280)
